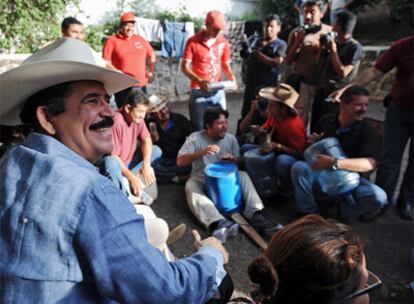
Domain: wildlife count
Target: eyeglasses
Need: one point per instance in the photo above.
(374, 282)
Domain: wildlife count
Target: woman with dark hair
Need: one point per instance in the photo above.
(313, 260)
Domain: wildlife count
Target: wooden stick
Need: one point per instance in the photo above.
(249, 230)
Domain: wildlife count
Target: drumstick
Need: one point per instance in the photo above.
(249, 230)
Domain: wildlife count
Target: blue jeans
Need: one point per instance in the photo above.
(367, 195)
(175, 36)
(398, 130)
(200, 101)
(110, 167)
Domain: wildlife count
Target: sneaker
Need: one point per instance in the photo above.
(224, 229)
(262, 224)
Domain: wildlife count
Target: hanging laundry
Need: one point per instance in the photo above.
(175, 37)
(150, 29)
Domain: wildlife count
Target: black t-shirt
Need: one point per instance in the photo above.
(259, 73)
(359, 140)
(350, 52)
(174, 135)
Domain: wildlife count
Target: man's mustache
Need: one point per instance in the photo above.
(104, 123)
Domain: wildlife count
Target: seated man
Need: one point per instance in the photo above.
(168, 130)
(67, 233)
(285, 129)
(126, 160)
(360, 142)
(209, 146)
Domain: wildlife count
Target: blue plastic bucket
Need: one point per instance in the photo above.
(332, 182)
(223, 186)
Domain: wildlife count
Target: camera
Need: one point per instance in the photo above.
(326, 39)
(311, 28)
(251, 43)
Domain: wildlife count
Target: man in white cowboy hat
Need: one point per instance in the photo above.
(284, 127)
(168, 131)
(67, 234)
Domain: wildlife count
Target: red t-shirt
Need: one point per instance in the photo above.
(401, 56)
(129, 55)
(206, 61)
(125, 137)
(289, 132)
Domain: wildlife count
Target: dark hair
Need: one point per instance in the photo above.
(67, 22)
(272, 17)
(312, 260)
(213, 113)
(135, 97)
(52, 98)
(320, 3)
(348, 94)
(346, 21)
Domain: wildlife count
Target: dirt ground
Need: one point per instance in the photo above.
(388, 240)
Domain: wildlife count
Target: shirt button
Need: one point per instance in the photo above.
(25, 220)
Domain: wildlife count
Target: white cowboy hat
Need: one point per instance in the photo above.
(283, 93)
(156, 103)
(65, 60)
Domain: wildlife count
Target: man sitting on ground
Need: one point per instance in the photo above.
(168, 131)
(360, 142)
(209, 146)
(126, 159)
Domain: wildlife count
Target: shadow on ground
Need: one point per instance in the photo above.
(388, 240)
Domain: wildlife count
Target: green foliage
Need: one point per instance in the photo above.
(27, 25)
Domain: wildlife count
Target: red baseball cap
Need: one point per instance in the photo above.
(216, 19)
(127, 17)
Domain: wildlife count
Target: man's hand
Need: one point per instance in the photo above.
(211, 150)
(323, 162)
(134, 184)
(332, 46)
(203, 85)
(229, 157)
(313, 138)
(148, 174)
(271, 147)
(298, 37)
(150, 76)
(155, 136)
(210, 241)
(336, 95)
(257, 130)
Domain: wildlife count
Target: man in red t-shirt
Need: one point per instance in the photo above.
(205, 55)
(285, 128)
(131, 54)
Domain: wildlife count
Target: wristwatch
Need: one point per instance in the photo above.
(335, 164)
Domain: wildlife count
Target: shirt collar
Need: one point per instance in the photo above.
(51, 146)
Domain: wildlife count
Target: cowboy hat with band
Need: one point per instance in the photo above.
(283, 94)
(65, 60)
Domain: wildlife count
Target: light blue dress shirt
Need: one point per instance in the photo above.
(67, 235)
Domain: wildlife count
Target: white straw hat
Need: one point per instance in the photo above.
(65, 60)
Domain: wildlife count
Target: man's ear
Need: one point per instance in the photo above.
(45, 120)
(127, 108)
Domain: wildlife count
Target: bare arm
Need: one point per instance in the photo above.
(273, 62)
(363, 79)
(361, 165)
(131, 177)
(187, 71)
(340, 69)
(151, 63)
(294, 45)
(146, 170)
(187, 159)
(109, 65)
